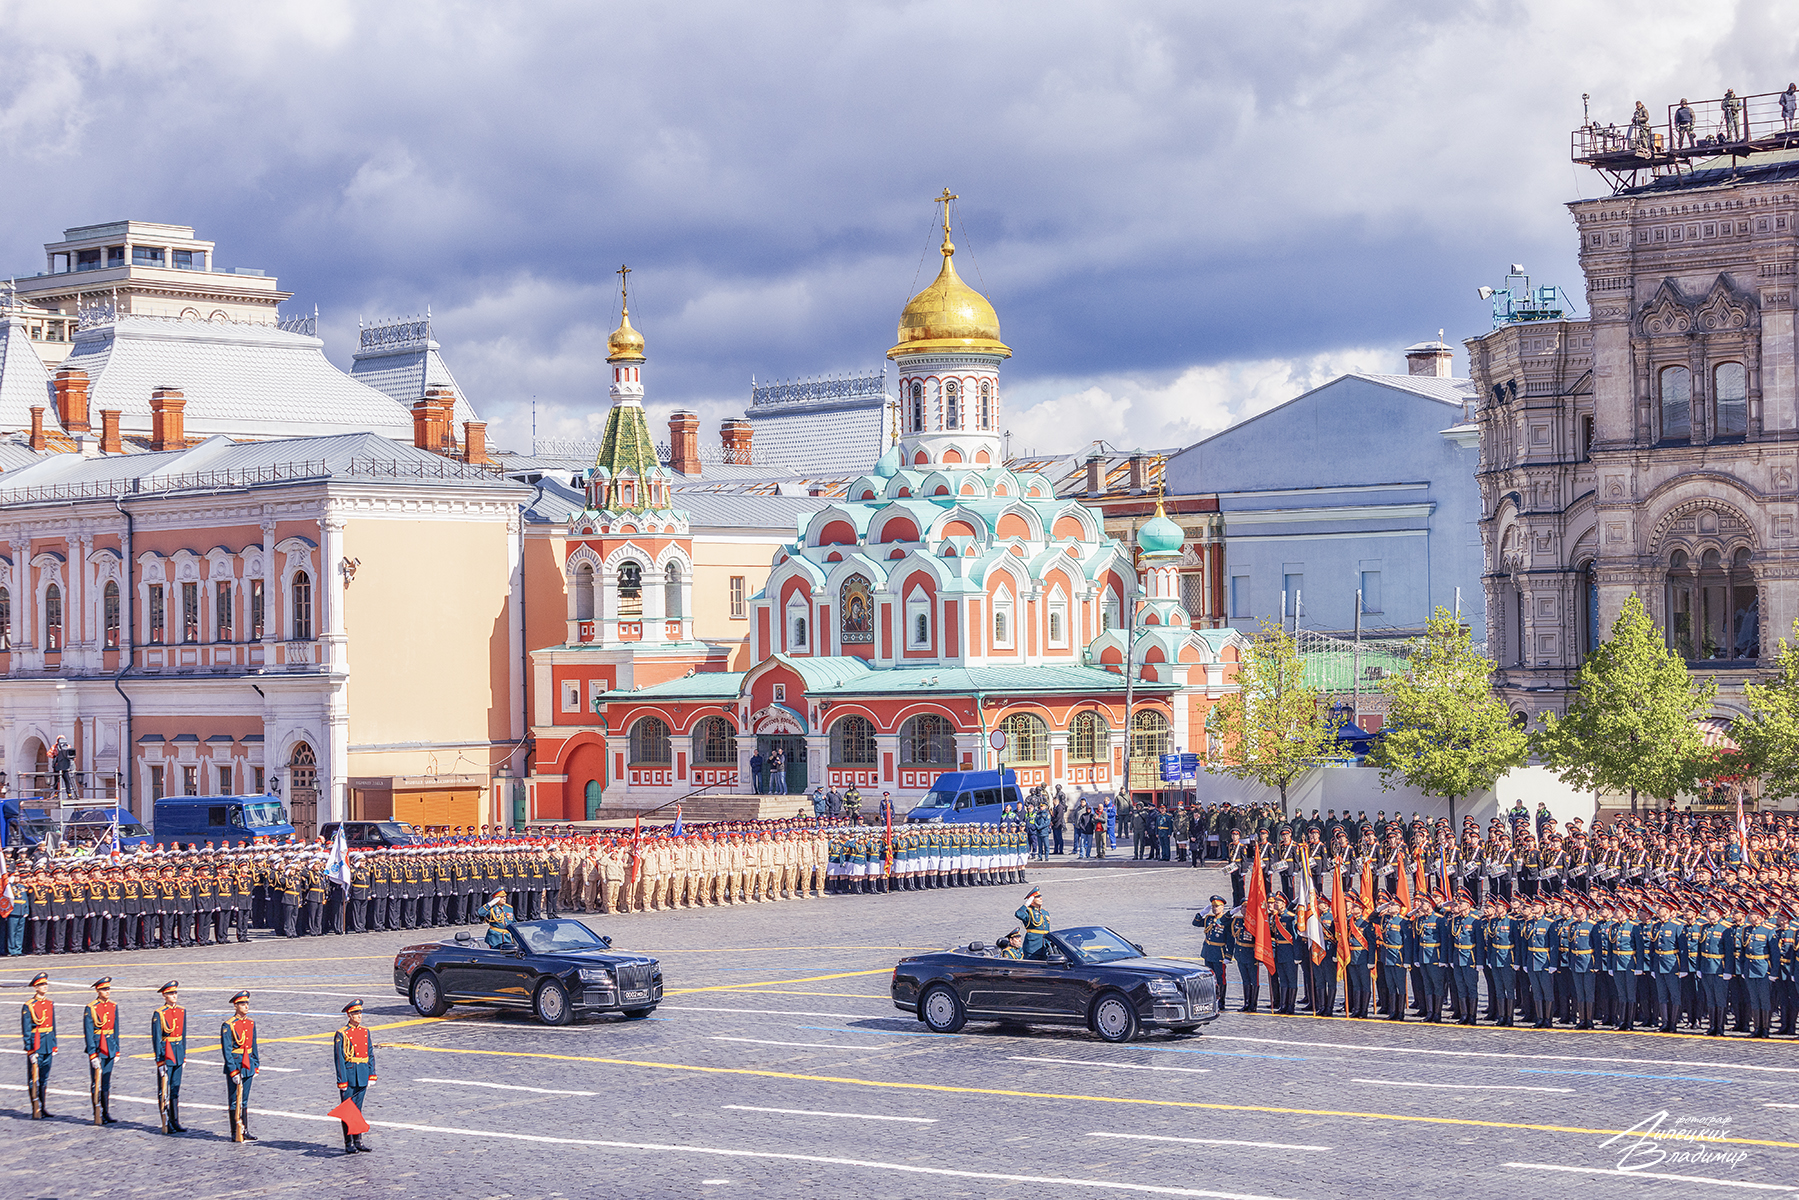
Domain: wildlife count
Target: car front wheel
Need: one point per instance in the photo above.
(552, 1003)
(1114, 1019)
(427, 996)
(942, 1010)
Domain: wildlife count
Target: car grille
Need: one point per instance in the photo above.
(1199, 999)
(632, 976)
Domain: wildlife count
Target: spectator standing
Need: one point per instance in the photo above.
(1083, 831)
(1058, 817)
(756, 765)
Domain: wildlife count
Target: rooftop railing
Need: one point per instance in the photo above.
(234, 478)
(1668, 142)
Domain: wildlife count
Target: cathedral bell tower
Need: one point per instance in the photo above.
(948, 357)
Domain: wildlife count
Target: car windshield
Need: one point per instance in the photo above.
(550, 937)
(937, 800)
(265, 814)
(1096, 944)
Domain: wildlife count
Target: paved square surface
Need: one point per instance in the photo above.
(777, 1065)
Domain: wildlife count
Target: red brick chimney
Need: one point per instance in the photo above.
(736, 436)
(110, 442)
(167, 406)
(684, 443)
(70, 387)
(432, 418)
(37, 427)
(474, 442)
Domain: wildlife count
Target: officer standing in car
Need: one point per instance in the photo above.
(1035, 919)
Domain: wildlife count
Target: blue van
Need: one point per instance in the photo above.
(978, 796)
(221, 820)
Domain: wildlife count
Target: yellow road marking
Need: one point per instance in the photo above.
(845, 995)
(975, 1091)
(739, 987)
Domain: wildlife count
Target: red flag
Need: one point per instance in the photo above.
(1255, 904)
(1340, 919)
(1423, 878)
(1402, 885)
(351, 1116)
(1368, 885)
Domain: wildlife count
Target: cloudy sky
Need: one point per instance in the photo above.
(1184, 212)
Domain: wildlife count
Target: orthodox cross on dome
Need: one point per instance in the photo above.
(944, 200)
(624, 298)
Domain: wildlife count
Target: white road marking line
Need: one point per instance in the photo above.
(1780, 1106)
(1656, 1062)
(1614, 1172)
(1479, 1087)
(806, 1112)
(505, 1087)
(1156, 1137)
(1081, 1062)
(283, 1070)
(766, 1042)
(763, 1012)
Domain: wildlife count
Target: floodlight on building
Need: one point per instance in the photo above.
(1486, 293)
(1517, 268)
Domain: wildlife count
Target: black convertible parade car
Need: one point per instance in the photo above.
(558, 969)
(1088, 975)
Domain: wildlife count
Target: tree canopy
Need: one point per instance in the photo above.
(1770, 738)
(1274, 728)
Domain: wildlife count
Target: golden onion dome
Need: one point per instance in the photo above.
(625, 344)
(949, 316)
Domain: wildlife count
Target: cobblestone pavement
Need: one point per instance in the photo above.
(778, 1066)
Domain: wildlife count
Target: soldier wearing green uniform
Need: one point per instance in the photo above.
(100, 1033)
(37, 1022)
(1035, 919)
(353, 1051)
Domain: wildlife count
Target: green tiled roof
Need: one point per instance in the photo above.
(705, 685)
(627, 448)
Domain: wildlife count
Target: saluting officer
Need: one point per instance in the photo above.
(237, 1040)
(37, 1022)
(100, 1029)
(354, 1052)
(498, 914)
(168, 1040)
(1036, 923)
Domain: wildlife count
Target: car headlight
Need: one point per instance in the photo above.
(596, 975)
(1163, 986)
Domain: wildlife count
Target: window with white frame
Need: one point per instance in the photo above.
(1058, 619)
(584, 592)
(952, 405)
(671, 591)
(1111, 611)
(797, 624)
(918, 619)
(739, 609)
(1002, 617)
(571, 696)
(986, 404)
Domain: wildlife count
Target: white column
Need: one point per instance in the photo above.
(271, 596)
(75, 600)
(655, 609)
(21, 598)
(515, 622)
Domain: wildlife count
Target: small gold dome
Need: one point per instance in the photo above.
(948, 316)
(625, 344)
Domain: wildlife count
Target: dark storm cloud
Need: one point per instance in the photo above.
(1150, 191)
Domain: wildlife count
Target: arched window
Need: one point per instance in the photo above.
(918, 619)
(952, 405)
(630, 591)
(855, 608)
(917, 407)
(109, 604)
(1730, 395)
(1714, 608)
(584, 592)
(1149, 734)
(1002, 618)
(222, 610)
(1109, 615)
(1589, 609)
(986, 404)
(1027, 740)
(53, 618)
(928, 740)
(301, 590)
(797, 624)
(649, 743)
(5, 618)
(714, 743)
(852, 742)
(1058, 619)
(1089, 740)
(1677, 404)
(671, 591)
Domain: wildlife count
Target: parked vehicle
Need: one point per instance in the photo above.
(979, 796)
(374, 835)
(1089, 975)
(221, 820)
(557, 969)
(32, 821)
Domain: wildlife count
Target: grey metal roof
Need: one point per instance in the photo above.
(16, 453)
(842, 439)
(24, 380)
(240, 379)
(403, 373)
(556, 502)
(1449, 391)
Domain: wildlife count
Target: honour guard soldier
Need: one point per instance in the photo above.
(1243, 948)
(100, 1027)
(168, 1040)
(1036, 923)
(37, 1021)
(237, 1040)
(1217, 945)
(354, 1051)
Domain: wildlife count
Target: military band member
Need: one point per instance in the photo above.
(168, 1042)
(37, 1024)
(354, 1053)
(237, 1042)
(100, 1030)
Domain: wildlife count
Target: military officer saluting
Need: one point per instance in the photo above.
(1036, 924)
(498, 914)
(237, 1040)
(100, 1027)
(354, 1051)
(168, 1041)
(37, 1021)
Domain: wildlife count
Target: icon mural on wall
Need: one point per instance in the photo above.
(858, 611)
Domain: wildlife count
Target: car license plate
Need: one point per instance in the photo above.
(637, 994)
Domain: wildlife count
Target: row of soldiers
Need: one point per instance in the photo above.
(1513, 860)
(353, 1052)
(1650, 957)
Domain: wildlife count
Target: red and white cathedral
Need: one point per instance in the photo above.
(945, 599)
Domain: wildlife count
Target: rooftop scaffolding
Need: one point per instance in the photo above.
(1730, 126)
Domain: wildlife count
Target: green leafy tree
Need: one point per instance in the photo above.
(1631, 725)
(1274, 728)
(1770, 739)
(1446, 734)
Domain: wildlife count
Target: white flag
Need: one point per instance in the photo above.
(1307, 902)
(338, 865)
